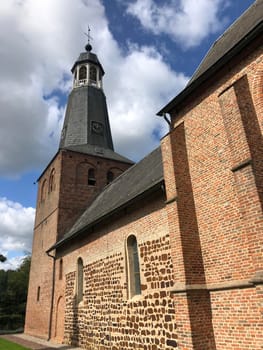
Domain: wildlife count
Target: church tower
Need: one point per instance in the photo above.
(83, 165)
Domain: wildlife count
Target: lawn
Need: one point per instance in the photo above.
(8, 345)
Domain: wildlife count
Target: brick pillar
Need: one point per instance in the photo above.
(246, 146)
(192, 300)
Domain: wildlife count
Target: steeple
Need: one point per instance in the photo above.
(86, 124)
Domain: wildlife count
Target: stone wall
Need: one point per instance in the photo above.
(107, 318)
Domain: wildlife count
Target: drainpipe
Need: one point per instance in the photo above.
(168, 121)
(52, 296)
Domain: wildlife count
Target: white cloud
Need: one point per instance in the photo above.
(12, 263)
(187, 22)
(16, 228)
(144, 82)
(39, 41)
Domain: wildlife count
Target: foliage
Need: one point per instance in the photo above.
(13, 295)
(8, 345)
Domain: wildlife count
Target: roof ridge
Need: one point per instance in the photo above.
(234, 23)
(220, 37)
(239, 34)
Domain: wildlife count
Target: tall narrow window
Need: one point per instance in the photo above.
(110, 177)
(38, 293)
(82, 73)
(43, 191)
(52, 181)
(91, 177)
(93, 74)
(133, 267)
(80, 280)
(60, 269)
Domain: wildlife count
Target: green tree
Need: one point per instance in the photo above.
(13, 295)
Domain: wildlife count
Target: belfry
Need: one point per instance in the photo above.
(86, 122)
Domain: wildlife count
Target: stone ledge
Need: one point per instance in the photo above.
(257, 278)
(171, 200)
(242, 165)
(236, 284)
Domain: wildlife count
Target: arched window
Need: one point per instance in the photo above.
(93, 74)
(110, 177)
(91, 177)
(133, 267)
(82, 73)
(38, 293)
(43, 191)
(60, 275)
(51, 185)
(80, 276)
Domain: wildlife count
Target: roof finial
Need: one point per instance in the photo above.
(88, 47)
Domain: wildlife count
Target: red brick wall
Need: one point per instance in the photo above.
(45, 233)
(75, 193)
(213, 171)
(56, 211)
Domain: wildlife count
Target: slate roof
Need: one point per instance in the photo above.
(129, 186)
(234, 38)
(86, 105)
(88, 57)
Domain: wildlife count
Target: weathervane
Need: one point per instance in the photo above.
(88, 47)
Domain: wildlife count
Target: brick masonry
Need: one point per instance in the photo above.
(58, 206)
(213, 173)
(200, 248)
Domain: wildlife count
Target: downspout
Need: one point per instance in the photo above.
(52, 296)
(168, 121)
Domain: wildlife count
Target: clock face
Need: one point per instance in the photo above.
(97, 127)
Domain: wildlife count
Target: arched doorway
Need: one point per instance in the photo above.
(59, 331)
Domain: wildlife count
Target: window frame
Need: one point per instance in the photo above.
(93, 74)
(133, 267)
(51, 185)
(110, 177)
(38, 293)
(80, 281)
(60, 273)
(83, 73)
(43, 190)
(91, 177)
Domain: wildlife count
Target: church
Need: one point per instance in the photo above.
(165, 253)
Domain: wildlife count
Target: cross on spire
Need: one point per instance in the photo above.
(88, 35)
(88, 47)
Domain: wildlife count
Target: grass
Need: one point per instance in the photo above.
(8, 345)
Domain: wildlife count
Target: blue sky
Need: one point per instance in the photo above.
(148, 48)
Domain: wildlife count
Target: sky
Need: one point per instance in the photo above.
(148, 48)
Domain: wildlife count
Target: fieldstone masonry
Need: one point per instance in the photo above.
(108, 320)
